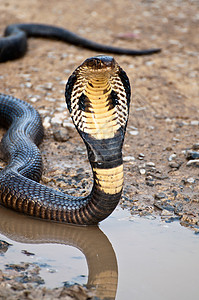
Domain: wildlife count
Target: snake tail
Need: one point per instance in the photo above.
(14, 44)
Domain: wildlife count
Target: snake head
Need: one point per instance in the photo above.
(99, 63)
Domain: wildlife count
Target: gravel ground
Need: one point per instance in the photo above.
(161, 151)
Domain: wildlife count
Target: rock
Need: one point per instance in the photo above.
(4, 246)
(195, 146)
(168, 216)
(194, 162)
(190, 180)
(27, 253)
(190, 154)
(164, 204)
(150, 164)
(133, 132)
(171, 157)
(58, 118)
(160, 196)
(173, 164)
(142, 171)
(61, 135)
(46, 122)
(194, 123)
(128, 158)
(28, 85)
(141, 156)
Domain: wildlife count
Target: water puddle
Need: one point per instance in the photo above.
(125, 258)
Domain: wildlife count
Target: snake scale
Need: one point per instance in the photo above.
(98, 97)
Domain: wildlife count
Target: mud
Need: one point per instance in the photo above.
(161, 177)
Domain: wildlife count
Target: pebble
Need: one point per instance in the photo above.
(50, 99)
(128, 158)
(150, 164)
(141, 156)
(57, 119)
(142, 171)
(167, 213)
(48, 86)
(68, 123)
(28, 84)
(172, 156)
(46, 122)
(160, 196)
(173, 164)
(149, 63)
(190, 180)
(195, 147)
(133, 132)
(61, 135)
(4, 246)
(190, 154)
(162, 204)
(34, 99)
(194, 123)
(193, 162)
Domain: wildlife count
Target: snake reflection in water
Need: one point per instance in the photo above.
(91, 241)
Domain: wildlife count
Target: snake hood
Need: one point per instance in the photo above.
(98, 97)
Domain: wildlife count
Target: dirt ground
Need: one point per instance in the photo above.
(161, 145)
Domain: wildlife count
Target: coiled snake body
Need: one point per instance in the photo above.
(98, 97)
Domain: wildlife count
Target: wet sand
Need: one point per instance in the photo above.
(161, 178)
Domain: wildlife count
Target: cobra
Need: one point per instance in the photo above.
(98, 97)
(14, 44)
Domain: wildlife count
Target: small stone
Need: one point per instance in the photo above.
(61, 135)
(190, 154)
(4, 246)
(46, 122)
(33, 99)
(48, 86)
(173, 164)
(168, 120)
(51, 270)
(128, 158)
(68, 124)
(194, 123)
(195, 147)
(28, 84)
(142, 171)
(57, 119)
(167, 213)
(172, 156)
(133, 132)
(149, 63)
(160, 196)
(27, 253)
(194, 162)
(141, 156)
(150, 164)
(50, 99)
(190, 180)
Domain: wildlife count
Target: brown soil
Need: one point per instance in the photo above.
(163, 121)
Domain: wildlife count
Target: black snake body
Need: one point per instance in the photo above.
(98, 97)
(14, 44)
